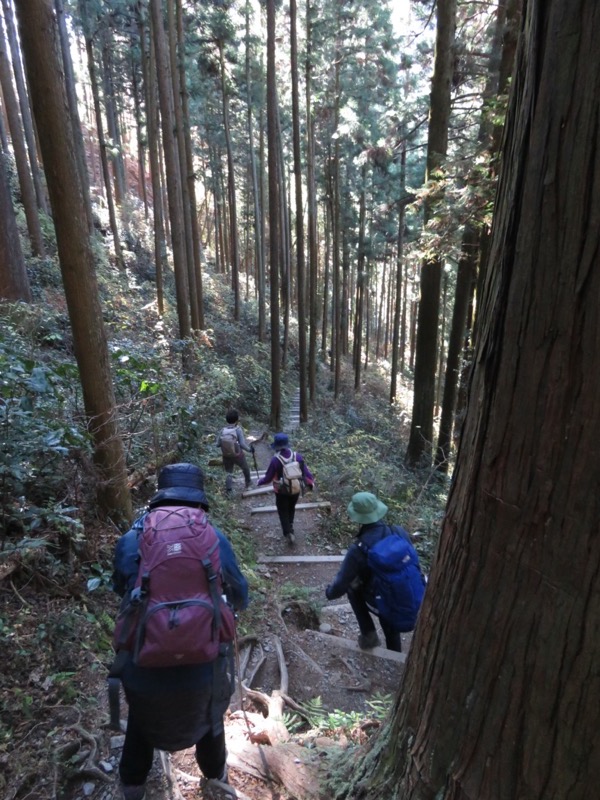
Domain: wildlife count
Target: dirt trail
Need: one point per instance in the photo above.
(294, 611)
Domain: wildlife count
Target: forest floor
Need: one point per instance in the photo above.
(321, 657)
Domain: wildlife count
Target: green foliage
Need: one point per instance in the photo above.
(319, 719)
(40, 440)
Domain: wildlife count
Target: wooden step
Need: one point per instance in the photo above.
(299, 507)
(257, 490)
(300, 560)
(348, 644)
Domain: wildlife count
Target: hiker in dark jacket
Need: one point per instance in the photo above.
(286, 503)
(354, 576)
(233, 433)
(173, 708)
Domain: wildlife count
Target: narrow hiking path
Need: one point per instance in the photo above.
(290, 627)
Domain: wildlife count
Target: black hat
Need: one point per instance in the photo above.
(182, 483)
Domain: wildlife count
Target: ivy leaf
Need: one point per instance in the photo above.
(38, 381)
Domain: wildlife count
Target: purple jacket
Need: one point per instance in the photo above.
(274, 471)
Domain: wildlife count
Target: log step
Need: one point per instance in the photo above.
(348, 644)
(299, 559)
(299, 507)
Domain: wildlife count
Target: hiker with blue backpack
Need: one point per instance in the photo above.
(290, 476)
(380, 574)
(180, 583)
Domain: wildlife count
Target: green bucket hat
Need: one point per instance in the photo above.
(365, 507)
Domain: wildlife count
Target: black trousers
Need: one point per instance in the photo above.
(230, 463)
(286, 508)
(360, 602)
(138, 754)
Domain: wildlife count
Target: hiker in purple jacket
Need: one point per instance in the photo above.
(284, 499)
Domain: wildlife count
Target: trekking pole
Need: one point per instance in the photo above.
(255, 464)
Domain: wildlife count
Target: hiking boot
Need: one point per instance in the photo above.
(133, 792)
(366, 641)
(291, 539)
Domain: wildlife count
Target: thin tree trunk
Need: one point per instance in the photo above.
(312, 214)
(258, 237)
(301, 267)
(103, 154)
(152, 124)
(398, 342)
(141, 151)
(112, 123)
(274, 220)
(231, 196)
(11, 106)
(26, 119)
(14, 282)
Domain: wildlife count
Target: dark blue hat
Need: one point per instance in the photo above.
(180, 483)
(280, 441)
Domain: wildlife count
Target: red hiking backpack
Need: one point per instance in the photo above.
(176, 614)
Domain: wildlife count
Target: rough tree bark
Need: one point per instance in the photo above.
(501, 694)
(14, 282)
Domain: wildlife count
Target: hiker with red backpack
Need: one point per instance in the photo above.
(180, 584)
(233, 443)
(380, 574)
(288, 473)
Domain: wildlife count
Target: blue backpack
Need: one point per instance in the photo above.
(397, 582)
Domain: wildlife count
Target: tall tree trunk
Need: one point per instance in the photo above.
(274, 218)
(165, 93)
(190, 177)
(231, 196)
(398, 343)
(41, 47)
(139, 137)
(421, 430)
(501, 692)
(14, 282)
(258, 228)
(285, 244)
(152, 125)
(468, 260)
(361, 281)
(74, 110)
(103, 154)
(312, 214)
(11, 106)
(183, 166)
(26, 119)
(301, 268)
(112, 123)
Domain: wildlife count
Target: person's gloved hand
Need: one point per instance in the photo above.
(328, 592)
(252, 448)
